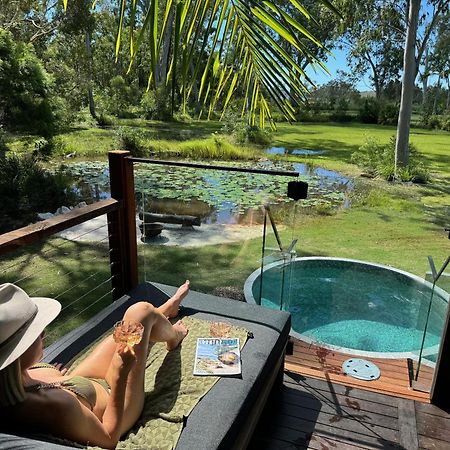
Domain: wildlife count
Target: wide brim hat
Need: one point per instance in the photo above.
(22, 320)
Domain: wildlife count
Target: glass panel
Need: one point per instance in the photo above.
(279, 250)
(210, 226)
(432, 319)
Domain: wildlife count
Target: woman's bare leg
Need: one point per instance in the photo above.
(172, 306)
(97, 363)
(157, 328)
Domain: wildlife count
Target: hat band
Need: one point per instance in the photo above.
(20, 329)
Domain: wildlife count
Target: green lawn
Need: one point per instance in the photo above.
(340, 140)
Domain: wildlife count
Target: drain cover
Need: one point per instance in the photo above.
(361, 369)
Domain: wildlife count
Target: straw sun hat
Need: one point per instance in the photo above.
(22, 320)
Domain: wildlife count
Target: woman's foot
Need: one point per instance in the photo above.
(180, 331)
(171, 308)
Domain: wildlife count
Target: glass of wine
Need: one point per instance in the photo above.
(128, 332)
(220, 329)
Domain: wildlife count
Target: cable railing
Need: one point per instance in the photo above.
(69, 258)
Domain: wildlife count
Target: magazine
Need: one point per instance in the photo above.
(217, 356)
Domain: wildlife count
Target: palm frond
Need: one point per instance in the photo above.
(220, 47)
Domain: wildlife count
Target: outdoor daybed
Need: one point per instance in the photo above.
(226, 416)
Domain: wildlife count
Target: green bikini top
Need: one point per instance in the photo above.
(81, 386)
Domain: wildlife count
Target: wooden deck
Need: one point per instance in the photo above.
(314, 361)
(308, 413)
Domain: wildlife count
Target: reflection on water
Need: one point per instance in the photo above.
(215, 196)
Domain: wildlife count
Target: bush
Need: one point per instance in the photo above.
(431, 121)
(388, 114)
(445, 123)
(131, 139)
(25, 88)
(378, 160)
(104, 120)
(251, 134)
(26, 188)
(369, 111)
(156, 105)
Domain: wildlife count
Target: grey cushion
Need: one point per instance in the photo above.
(216, 420)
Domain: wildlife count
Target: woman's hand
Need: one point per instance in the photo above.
(126, 358)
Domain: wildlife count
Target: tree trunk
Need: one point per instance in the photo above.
(425, 78)
(163, 64)
(409, 75)
(89, 75)
(447, 106)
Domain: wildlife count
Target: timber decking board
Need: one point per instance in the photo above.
(308, 413)
(314, 361)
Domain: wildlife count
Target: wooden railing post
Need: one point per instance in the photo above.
(122, 224)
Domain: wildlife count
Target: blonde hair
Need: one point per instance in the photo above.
(11, 386)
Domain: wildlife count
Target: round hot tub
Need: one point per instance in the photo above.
(354, 306)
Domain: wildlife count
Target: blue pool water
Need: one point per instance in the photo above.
(356, 305)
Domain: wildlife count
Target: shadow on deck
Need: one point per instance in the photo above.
(308, 413)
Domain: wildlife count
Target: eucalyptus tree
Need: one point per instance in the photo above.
(218, 47)
(373, 35)
(419, 30)
(440, 55)
(31, 21)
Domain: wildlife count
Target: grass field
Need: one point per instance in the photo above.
(394, 224)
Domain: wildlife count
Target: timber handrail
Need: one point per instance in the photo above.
(280, 173)
(37, 231)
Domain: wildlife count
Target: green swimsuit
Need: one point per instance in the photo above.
(80, 386)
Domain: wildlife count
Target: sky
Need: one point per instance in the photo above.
(334, 63)
(339, 61)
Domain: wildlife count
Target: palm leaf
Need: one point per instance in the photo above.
(230, 46)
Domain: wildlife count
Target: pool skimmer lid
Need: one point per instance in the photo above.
(361, 369)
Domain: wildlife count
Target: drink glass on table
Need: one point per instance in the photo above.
(220, 329)
(128, 332)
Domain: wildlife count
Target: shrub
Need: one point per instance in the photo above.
(131, 139)
(369, 111)
(378, 160)
(388, 114)
(432, 121)
(25, 87)
(184, 117)
(104, 120)
(251, 134)
(340, 111)
(43, 149)
(156, 105)
(445, 123)
(26, 188)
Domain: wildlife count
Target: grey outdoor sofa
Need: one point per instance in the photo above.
(241, 399)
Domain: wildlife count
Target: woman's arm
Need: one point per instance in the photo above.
(117, 374)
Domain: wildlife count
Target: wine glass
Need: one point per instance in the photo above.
(220, 329)
(128, 332)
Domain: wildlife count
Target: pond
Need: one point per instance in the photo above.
(214, 196)
(298, 151)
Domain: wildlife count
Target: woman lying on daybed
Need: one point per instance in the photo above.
(103, 396)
